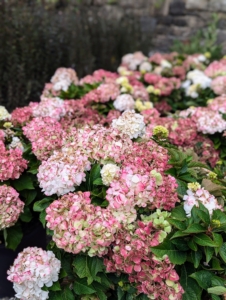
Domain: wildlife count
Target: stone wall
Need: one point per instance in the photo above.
(163, 21)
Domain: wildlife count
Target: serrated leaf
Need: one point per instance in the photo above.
(203, 279)
(65, 294)
(216, 264)
(209, 253)
(196, 258)
(88, 267)
(178, 234)
(81, 287)
(29, 195)
(204, 240)
(55, 287)
(98, 181)
(178, 213)
(166, 248)
(23, 183)
(42, 204)
(195, 228)
(26, 216)
(217, 238)
(178, 224)
(204, 216)
(192, 245)
(14, 236)
(222, 252)
(190, 286)
(217, 290)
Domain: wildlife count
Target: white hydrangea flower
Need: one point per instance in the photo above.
(16, 143)
(63, 78)
(145, 67)
(108, 173)
(32, 269)
(193, 196)
(166, 64)
(4, 114)
(124, 102)
(130, 123)
(199, 77)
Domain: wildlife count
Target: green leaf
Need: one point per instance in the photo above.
(182, 187)
(42, 218)
(204, 216)
(23, 183)
(196, 258)
(98, 181)
(94, 174)
(204, 240)
(217, 290)
(192, 245)
(191, 288)
(26, 216)
(222, 252)
(65, 294)
(42, 204)
(99, 291)
(178, 234)
(88, 267)
(217, 238)
(195, 228)
(81, 287)
(215, 297)
(55, 287)
(209, 253)
(167, 248)
(203, 278)
(29, 195)
(178, 224)
(219, 215)
(14, 236)
(178, 213)
(216, 264)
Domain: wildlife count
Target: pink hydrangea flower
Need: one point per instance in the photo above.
(10, 206)
(33, 269)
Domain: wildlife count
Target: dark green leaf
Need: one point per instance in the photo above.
(222, 252)
(204, 240)
(217, 238)
(203, 278)
(82, 288)
(192, 245)
(178, 234)
(42, 218)
(167, 248)
(42, 204)
(178, 224)
(195, 228)
(178, 213)
(216, 264)
(23, 183)
(26, 216)
(29, 195)
(204, 216)
(196, 257)
(191, 288)
(14, 236)
(209, 253)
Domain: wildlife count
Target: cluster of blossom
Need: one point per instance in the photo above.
(131, 254)
(196, 193)
(218, 104)
(4, 114)
(45, 135)
(79, 226)
(218, 85)
(21, 115)
(99, 143)
(124, 102)
(133, 61)
(63, 171)
(196, 80)
(130, 123)
(140, 188)
(216, 68)
(12, 163)
(63, 78)
(10, 206)
(49, 107)
(33, 269)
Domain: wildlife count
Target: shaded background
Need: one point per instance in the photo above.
(38, 36)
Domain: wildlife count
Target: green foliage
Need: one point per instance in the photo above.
(203, 41)
(196, 246)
